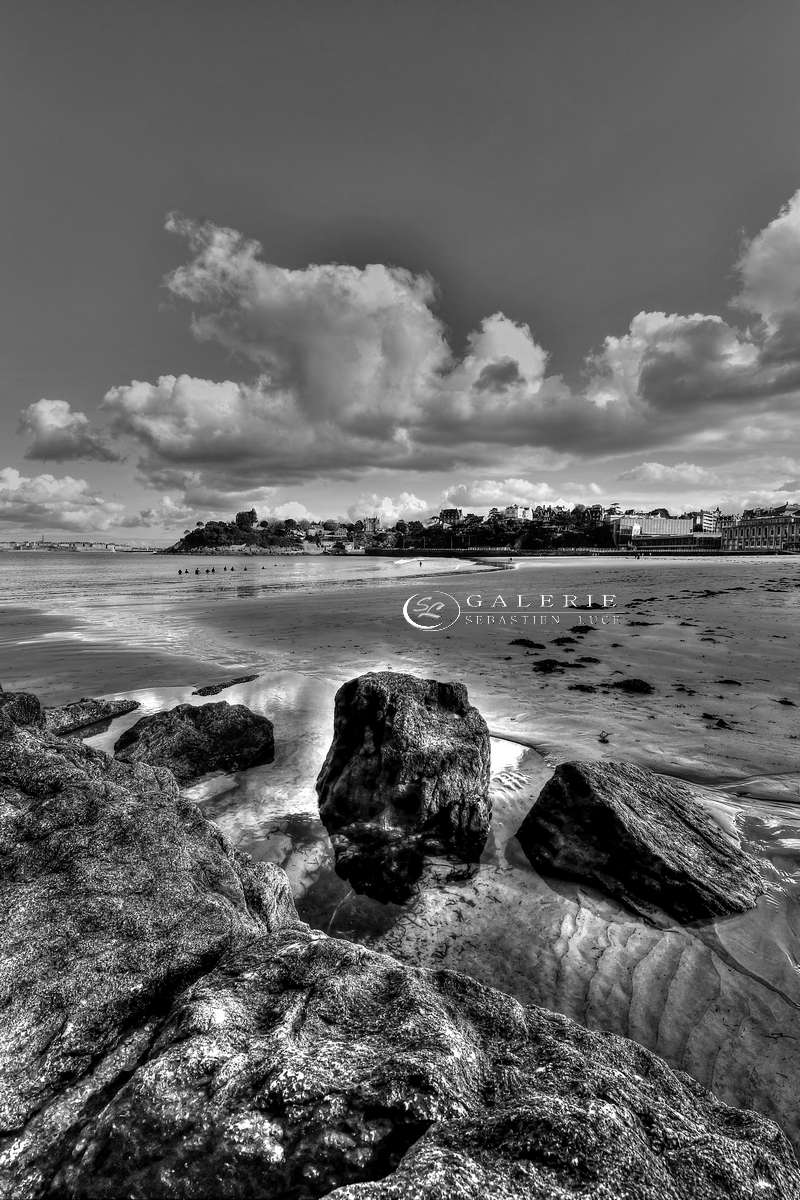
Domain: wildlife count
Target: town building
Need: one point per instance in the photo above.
(518, 512)
(372, 525)
(708, 522)
(688, 543)
(764, 530)
(642, 525)
(449, 516)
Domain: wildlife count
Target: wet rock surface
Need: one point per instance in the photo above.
(641, 837)
(84, 715)
(213, 689)
(172, 1030)
(407, 774)
(193, 739)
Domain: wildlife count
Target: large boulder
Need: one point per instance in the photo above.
(407, 774)
(171, 1031)
(85, 715)
(194, 739)
(641, 837)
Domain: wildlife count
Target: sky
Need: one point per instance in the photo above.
(343, 257)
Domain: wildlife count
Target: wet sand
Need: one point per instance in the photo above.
(716, 641)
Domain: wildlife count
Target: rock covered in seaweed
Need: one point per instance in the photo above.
(194, 739)
(407, 774)
(641, 837)
(172, 1031)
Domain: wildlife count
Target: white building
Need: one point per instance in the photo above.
(638, 525)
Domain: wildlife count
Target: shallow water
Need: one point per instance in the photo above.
(141, 600)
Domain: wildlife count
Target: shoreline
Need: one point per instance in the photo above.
(719, 709)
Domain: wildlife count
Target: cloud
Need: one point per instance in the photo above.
(165, 514)
(769, 271)
(680, 473)
(347, 369)
(407, 507)
(60, 434)
(44, 502)
(494, 493)
(348, 344)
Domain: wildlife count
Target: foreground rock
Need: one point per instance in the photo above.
(86, 713)
(171, 1030)
(20, 709)
(407, 774)
(194, 739)
(640, 837)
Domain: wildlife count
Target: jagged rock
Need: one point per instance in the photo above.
(194, 739)
(640, 837)
(407, 774)
(20, 709)
(171, 1031)
(85, 713)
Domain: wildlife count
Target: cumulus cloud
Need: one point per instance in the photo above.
(493, 493)
(345, 369)
(60, 434)
(347, 344)
(679, 473)
(769, 270)
(45, 502)
(407, 507)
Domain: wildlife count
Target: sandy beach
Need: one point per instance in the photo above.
(714, 644)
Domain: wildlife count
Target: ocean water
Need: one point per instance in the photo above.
(88, 582)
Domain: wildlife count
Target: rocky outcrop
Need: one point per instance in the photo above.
(172, 1031)
(84, 715)
(641, 837)
(194, 739)
(407, 774)
(20, 710)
